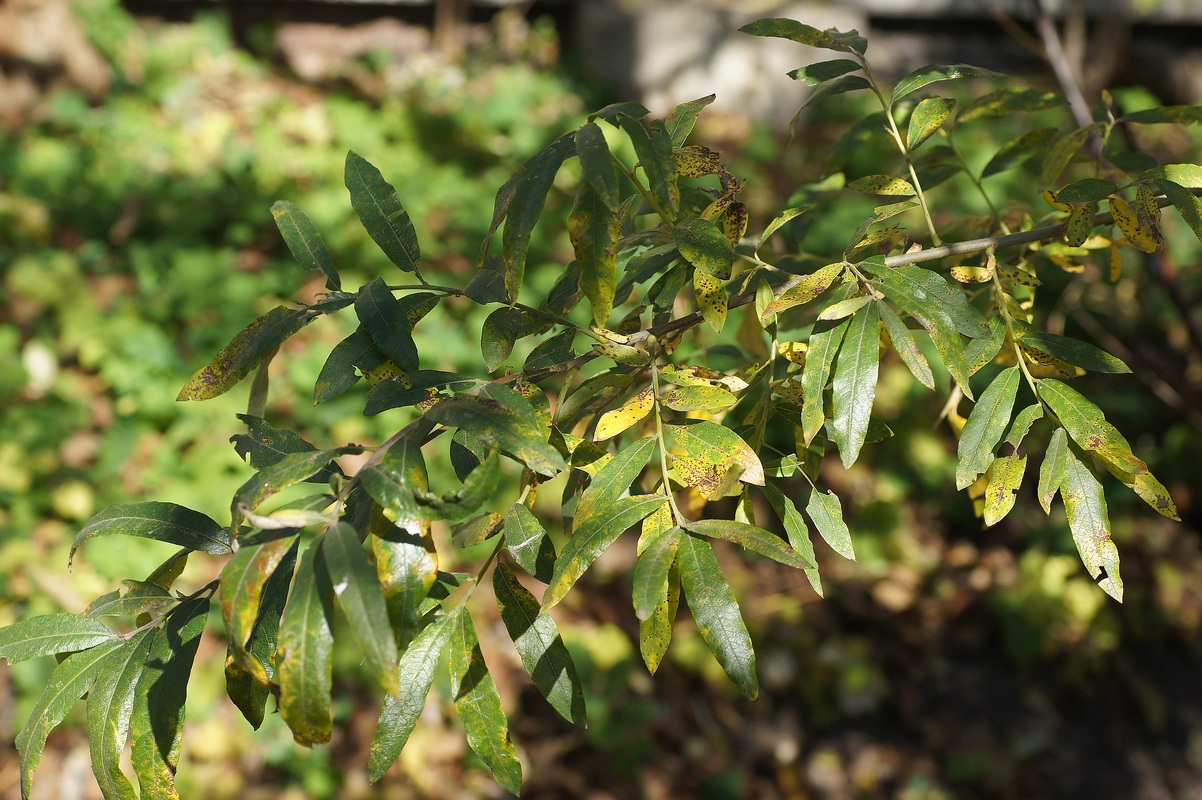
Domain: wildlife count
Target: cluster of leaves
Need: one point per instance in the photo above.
(622, 408)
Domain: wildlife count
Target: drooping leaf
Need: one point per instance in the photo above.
(823, 71)
(597, 164)
(906, 347)
(1186, 203)
(407, 567)
(926, 118)
(594, 229)
(1051, 471)
(305, 648)
(70, 679)
(925, 76)
(1022, 424)
(400, 713)
(540, 646)
(754, 539)
(1075, 352)
(242, 584)
(632, 411)
(501, 329)
(796, 530)
(712, 300)
(1087, 426)
(552, 352)
(358, 591)
(380, 210)
(479, 705)
(534, 180)
(1018, 151)
(384, 320)
(1003, 487)
(256, 342)
(716, 612)
(715, 444)
(339, 372)
(806, 289)
(304, 241)
(504, 419)
(854, 383)
(478, 488)
(615, 111)
(704, 245)
(164, 522)
(592, 536)
(801, 33)
(824, 343)
(883, 185)
(650, 578)
(528, 542)
(51, 634)
(680, 122)
(826, 512)
(1088, 519)
(157, 719)
(289, 470)
(984, 428)
(653, 146)
(614, 479)
(110, 707)
(1008, 100)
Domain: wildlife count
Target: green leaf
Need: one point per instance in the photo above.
(1088, 427)
(289, 470)
(242, 584)
(110, 706)
(1004, 482)
(651, 570)
(716, 613)
(304, 664)
(594, 229)
(704, 245)
(338, 374)
(823, 71)
(792, 30)
(848, 83)
(504, 419)
(882, 185)
(1180, 115)
(553, 352)
(528, 542)
(395, 480)
(358, 591)
(592, 536)
(540, 646)
(381, 212)
(303, 239)
(984, 428)
(395, 394)
(796, 530)
(263, 445)
(1074, 351)
(925, 76)
(1086, 190)
(1019, 150)
(479, 705)
(1022, 424)
(698, 398)
(680, 122)
(806, 289)
(926, 118)
(1051, 471)
(400, 713)
(854, 384)
(715, 444)
(1085, 506)
(157, 719)
(534, 180)
(256, 342)
(597, 164)
(1008, 100)
(824, 343)
(615, 111)
(479, 487)
(906, 347)
(754, 539)
(407, 568)
(138, 597)
(70, 679)
(653, 146)
(1186, 203)
(51, 634)
(384, 320)
(1186, 175)
(613, 480)
(164, 522)
(826, 512)
(1061, 152)
(501, 329)
(777, 222)
(655, 632)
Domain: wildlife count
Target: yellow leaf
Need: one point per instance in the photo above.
(1007, 476)
(619, 419)
(711, 299)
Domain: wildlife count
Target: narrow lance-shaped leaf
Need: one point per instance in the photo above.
(783, 28)
(796, 530)
(70, 679)
(384, 320)
(984, 428)
(716, 444)
(1186, 203)
(1087, 426)
(655, 560)
(823, 71)
(592, 536)
(340, 373)
(594, 229)
(540, 646)
(304, 240)
(1017, 151)
(1074, 351)
(304, 664)
(614, 479)
(716, 613)
(396, 478)
(243, 581)
(358, 592)
(157, 721)
(526, 206)
(479, 705)
(407, 568)
(263, 445)
(653, 146)
(1051, 471)
(503, 426)
(906, 347)
(712, 301)
(749, 536)
(826, 512)
(704, 245)
(381, 212)
(854, 384)
(247, 350)
(110, 707)
(824, 343)
(926, 118)
(680, 122)
(1022, 424)
(289, 470)
(596, 162)
(925, 76)
(51, 634)
(1085, 506)
(400, 713)
(1003, 486)
(164, 522)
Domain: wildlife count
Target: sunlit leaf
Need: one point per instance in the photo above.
(703, 245)
(110, 707)
(1088, 519)
(263, 445)
(754, 539)
(1186, 203)
(1180, 115)
(1022, 424)
(597, 164)
(1087, 426)
(680, 122)
(1051, 471)
(806, 289)
(854, 384)
(358, 591)
(715, 444)
(801, 33)
(304, 241)
(797, 531)
(633, 410)
(305, 650)
(289, 470)
(985, 426)
(504, 419)
(712, 300)
(594, 230)
(51, 634)
(242, 583)
(614, 480)
(925, 76)
(1075, 352)
(823, 71)
(1003, 487)
(882, 185)
(381, 212)
(926, 118)
(528, 542)
(826, 512)
(906, 347)
(256, 342)
(1008, 100)
(533, 181)
(824, 343)
(698, 398)
(164, 522)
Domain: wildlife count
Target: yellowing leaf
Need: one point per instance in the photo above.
(1004, 481)
(712, 301)
(1139, 234)
(619, 419)
(1079, 224)
(882, 185)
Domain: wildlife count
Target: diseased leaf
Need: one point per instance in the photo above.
(925, 76)
(1186, 175)
(380, 210)
(824, 343)
(263, 445)
(655, 560)
(882, 185)
(384, 320)
(906, 347)
(715, 444)
(826, 512)
(716, 613)
(596, 162)
(1075, 352)
(339, 372)
(241, 591)
(395, 480)
(1061, 152)
(801, 33)
(164, 522)
(540, 646)
(529, 194)
(613, 481)
(70, 679)
(289, 470)
(1089, 521)
(1086, 190)
(255, 343)
(1007, 100)
(407, 567)
(983, 430)
(504, 419)
(926, 118)
(594, 229)
(854, 384)
(653, 146)
(633, 410)
(110, 707)
(680, 122)
(844, 308)
(1003, 486)
(591, 537)
(157, 720)
(1087, 426)
(712, 301)
(1018, 151)
(796, 530)
(704, 245)
(479, 705)
(1180, 115)
(400, 713)
(806, 289)
(1186, 203)
(306, 643)
(698, 398)
(1022, 423)
(51, 634)
(304, 241)
(754, 539)
(358, 591)
(138, 597)
(1051, 471)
